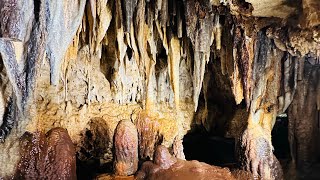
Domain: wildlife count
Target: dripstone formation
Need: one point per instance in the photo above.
(125, 76)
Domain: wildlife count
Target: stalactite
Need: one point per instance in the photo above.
(60, 35)
(105, 16)
(199, 32)
(289, 80)
(173, 68)
(267, 72)
(9, 57)
(128, 9)
(92, 21)
(16, 26)
(217, 33)
(164, 13)
(2, 107)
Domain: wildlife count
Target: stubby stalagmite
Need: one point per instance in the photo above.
(126, 148)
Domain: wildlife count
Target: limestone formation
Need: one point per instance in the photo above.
(50, 156)
(303, 127)
(165, 166)
(227, 67)
(149, 136)
(126, 148)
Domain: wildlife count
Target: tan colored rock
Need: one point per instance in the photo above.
(149, 136)
(271, 8)
(311, 13)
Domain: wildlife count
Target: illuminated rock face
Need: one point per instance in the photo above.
(166, 66)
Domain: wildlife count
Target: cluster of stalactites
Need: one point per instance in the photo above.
(183, 30)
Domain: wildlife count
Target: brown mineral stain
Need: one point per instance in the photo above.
(47, 156)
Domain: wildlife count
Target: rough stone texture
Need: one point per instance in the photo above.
(240, 174)
(304, 121)
(126, 148)
(50, 156)
(149, 136)
(311, 14)
(272, 8)
(96, 141)
(257, 155)
(165, 166)
(256, 139)
(118, 67)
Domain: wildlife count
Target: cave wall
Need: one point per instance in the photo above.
(68, 63)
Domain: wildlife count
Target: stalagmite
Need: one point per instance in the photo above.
(47, 156)
(149, 136)
(126, 148)
(256, 140)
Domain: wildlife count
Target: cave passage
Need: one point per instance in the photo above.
(210, 149)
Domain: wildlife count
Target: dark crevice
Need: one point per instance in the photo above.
(36, 10)
(8, 121)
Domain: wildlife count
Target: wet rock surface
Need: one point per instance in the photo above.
(165, 166)
(47, 156)
(126, 148)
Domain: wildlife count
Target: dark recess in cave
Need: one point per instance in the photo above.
(280, 140)
(95, 140)
(207, 141)
(213, 150)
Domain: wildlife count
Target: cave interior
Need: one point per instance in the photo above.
(160, 89)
